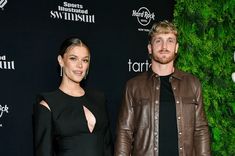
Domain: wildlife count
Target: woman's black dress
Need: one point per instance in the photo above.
(63, 130)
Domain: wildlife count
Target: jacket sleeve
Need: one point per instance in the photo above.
(201, 135)
(42, 131)
(125, 126)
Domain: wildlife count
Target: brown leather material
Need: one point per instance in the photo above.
(137, 126)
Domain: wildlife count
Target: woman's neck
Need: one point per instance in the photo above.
(72, 89)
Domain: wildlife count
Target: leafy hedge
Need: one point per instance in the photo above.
(207, 44)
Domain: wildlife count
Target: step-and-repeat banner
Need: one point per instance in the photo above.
(30, 35)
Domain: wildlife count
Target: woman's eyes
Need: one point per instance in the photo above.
(75, 59)
(86, 60)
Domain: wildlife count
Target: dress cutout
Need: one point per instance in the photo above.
(43, 103)
(91, 120)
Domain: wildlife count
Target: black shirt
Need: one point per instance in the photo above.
(168, 134)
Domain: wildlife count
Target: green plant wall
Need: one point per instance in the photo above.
(207, 43)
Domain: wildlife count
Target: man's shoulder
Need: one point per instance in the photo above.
(139, 79)
(183, 75)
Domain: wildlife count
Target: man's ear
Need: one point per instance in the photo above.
(176, 47)
(149, 48)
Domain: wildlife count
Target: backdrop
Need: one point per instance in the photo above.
(30, 35)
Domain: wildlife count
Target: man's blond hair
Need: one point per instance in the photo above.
(162, 27)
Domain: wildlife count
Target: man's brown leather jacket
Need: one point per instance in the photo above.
(137, 127)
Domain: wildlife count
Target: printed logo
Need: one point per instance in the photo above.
(138, 66)
(3, 109)
(144, 17)
(3, 3)
(72, 12)
(8, 65)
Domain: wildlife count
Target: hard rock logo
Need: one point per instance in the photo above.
(3, 3)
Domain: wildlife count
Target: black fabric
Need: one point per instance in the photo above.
(168, 137)
(63, 130)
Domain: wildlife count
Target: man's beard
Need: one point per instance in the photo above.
(164, 59)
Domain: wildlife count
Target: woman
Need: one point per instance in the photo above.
(72, 121)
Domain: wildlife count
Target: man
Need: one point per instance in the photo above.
(162, 112)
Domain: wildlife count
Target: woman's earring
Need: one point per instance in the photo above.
(61, 71)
